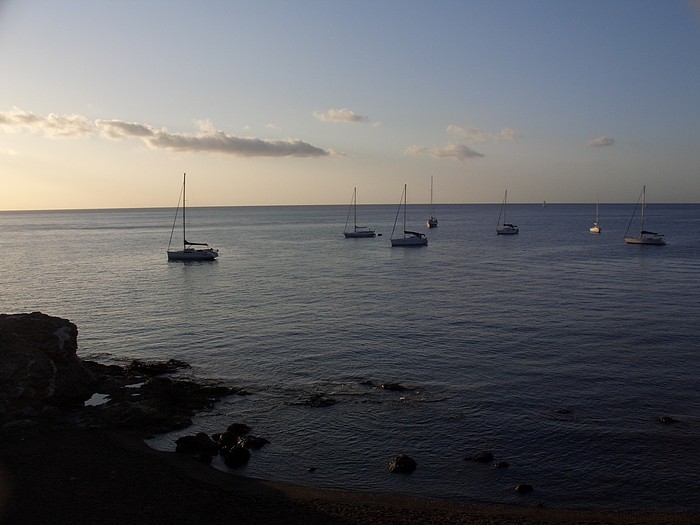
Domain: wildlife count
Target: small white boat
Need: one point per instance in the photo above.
(596, 225)
(645, 236)
(357, 231)
(432, 220)
(188, 253)
(503, 227)
(409, 238)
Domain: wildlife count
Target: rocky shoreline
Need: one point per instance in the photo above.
(65, 461)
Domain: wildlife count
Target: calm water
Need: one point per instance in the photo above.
(555, 349)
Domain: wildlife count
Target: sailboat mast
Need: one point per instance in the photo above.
(505, 205)
(431, 195)
(405, 205)
(354, 198)
(184, 207)
(644, 205)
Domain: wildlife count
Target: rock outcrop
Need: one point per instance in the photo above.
(39, 362)
(43, 381)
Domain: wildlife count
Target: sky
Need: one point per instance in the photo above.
(105, 104)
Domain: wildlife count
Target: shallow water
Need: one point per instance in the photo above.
(555, 349)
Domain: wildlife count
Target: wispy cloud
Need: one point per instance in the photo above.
(601, 142)
(52, 125)
(206, 140)
(460, 152)
(341, 115)
(479, 136)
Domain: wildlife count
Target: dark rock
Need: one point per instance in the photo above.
(238, 429)
(252, 442)
(523, 488)
(667, 420)
(39, 362)
(202, 457)
(236, 457)
(480, 457)
(393, 387)
(402, 464)
(501, 464)
(200, 447)
(156, 368)
(206, 445)
(228, 439)
(320, 400)
(186, 445)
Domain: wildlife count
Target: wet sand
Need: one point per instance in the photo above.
(112, 477)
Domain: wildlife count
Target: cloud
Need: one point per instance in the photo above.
(52, 125)
(340, 115)
(117, 129)
(601, 142)
(210, 140)
(206, 140)
(460, 152)
(479, 136)
(508, 134)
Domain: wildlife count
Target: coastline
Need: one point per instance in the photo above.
(63, 461)
(111, 476)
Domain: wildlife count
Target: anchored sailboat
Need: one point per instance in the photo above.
(596, 225)
(357, 231)
(432, 221)
(505, 228)
(644, 237)
(409, 238)
(188, 253)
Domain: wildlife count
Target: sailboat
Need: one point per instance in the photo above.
(188, 253)
(596, 225)
(644, 237)
(357, 231)
(432, 221)
(505, 228)
(408, 238)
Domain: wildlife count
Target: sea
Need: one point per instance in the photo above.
(556, 350)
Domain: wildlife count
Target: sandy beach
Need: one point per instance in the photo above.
(112, 477)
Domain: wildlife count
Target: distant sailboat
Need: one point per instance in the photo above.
(596, 225)
(408, 238)
(357, 231)
(644, 237)
(188, 253)
(432, 221)
(503, 227)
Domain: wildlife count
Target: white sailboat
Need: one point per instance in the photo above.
(188, 253)
(596, 225)
(432, 221)
(503, 227)
(409, 238)
(644, 237)
(357, 231)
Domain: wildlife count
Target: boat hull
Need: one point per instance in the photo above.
(409, 242)
(507, 230)
(432, 223)
(594, 229)
(193, 255)
(360, 234)
(644, 239)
